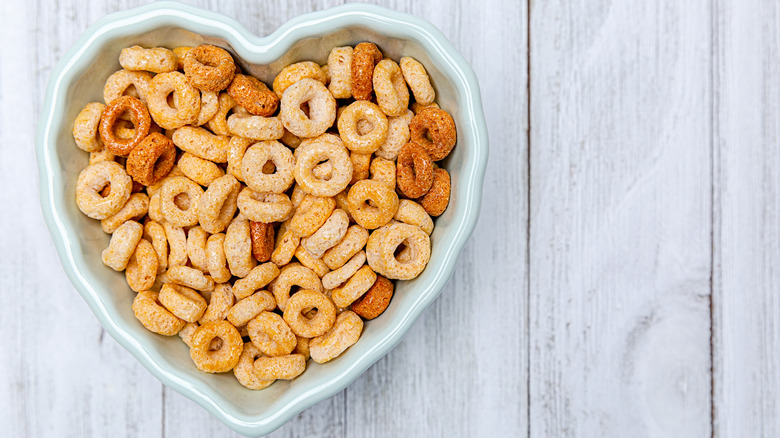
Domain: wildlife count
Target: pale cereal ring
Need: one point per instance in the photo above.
(418, 80)
(259, 277)
(245, 310)
(202, 143)
(155, 210)
(348, 127)
(262, 235)
(382, 245)
(178, 200)
(209, 68)
(383, 170)
(334, 279)
(119, 83)
(155, 233)
(297, 196)
(135, 208)
(253, 95)
(255, 127)
(311, 153)
(412, 213)
(101, 155)
(303, 301)
(392, 96)
(322, 108)
(342, 203)
(217, 263)
(220, 303)
(187, 331)
(285, 367)
(236, 149)
(182, 301)
(290, 140)
(256, 157)
(186, 100)
(264, 207)
(155, 59)
(209, 105)
(361, 164)
(372, 203)
(238, 249)
(355, 287)
(439, 124)
(177, 244)
(245, 368)
(340, 72)
(438, 197)
(354, 240)
(142, 268)
(85, 127)
(191, 278)
(271, 334)
(322, 171)
(317, 265)
(180, 53)
(311, 215)
(375, 301)
(140, 119)
(154, 316)
(218, 204)
(122, 245)
(344, 333)
(203, 172)
(285, 246)
(414, 171)
(222, 359)
(150, 161)
(291, 275)
(328, 235)
(218, 123)
(364, 57)
(296, 72)
(417, 107)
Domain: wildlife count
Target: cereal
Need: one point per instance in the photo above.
(253, 95)
(155, 59)
(258, 278)
(209, 68)
(201, 143)
(219, 305)
(304, 326)
(255, 127)
(382, 245)
(153, 158)
(418, 80)
(290, 140)
(260, 153)
(155, 233)
(322, 108)
(302, 347)
(238, 248)
(285, 367)
(191, 278)
(317, 265)
(262, 235)
(245, 368)
(344, 333)
(246, 309)
(142, 267)
(187, 331)
(218, 123)
(414, 171)
(218, 204)
(264, 207)
(139, 116)
(392, 96)
(372, 203)
(286, 244)
(441, 128)
(417, 107)
(224, 358)
(154, 316)
(271, 334)
(203, 172)
(177, 243)
(375, 301)
(364, 57)
(310, 153)
(178, 200)
(311, 215)
(293, 274)
(182, 301)
(368, 142)
(355, 287)
(209, 105)
(101, 155)
(135, 208)
(236, 149)
(412, 213)
(383, 171)
(334, 278)
(328, 235)
(85, 127)
(120, 83)
(186, 100)
(296, 72)
(340, 69)
(438, 197)
(354, 240)
(216, 260)
(122, 245)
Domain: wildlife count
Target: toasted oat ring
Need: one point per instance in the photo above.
(412, 213)
(140, 119)
(442, 129)
(218, 123)
(293, 274)
(264, 207)
(255, 127)
(364, 57)
(155, 59)
(290, 140)
(354, 240)
(186, 100)
(209, 68)
(219, 305)
(142, 268)
(238, 249)
(311, 214)
(85, 127)
(178, 200)
(155, 233)
(101, 155)
(414, 171)
(255, 158)
(418, 80)
(236, 149)
(271, 334)
(303, 301)
(355, 287)
(225, 357)
(438, 197)
(317, 265)
(187, 331)
(253, 95)
(340, 71)
(334, 279)
(328, 235)
(152, 159)
(196, 248)
(382, 207)
(134, 209)
(122, 245)
(262, 235)
(245, 310)
(361, 165)
(348, 127)
(382, 245)
(177, 242)
(322, 108)
(217, 204)
(285, 367)
(201, 143)
(93, 179)
(191, 278)
(285, 246)
(392, 96)
(296, 72)
(203, 172)
(302, 347)
(314, 151)
(375, 301)
(245, 368)
(215, 255)
(259, 277)
(209, 105)
(119, 83)
(344, 333)
(180, 52)
(154, 316)
(182, 301)
(397, 136)
(383, 171)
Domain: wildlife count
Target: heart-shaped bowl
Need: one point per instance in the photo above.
(77, 79)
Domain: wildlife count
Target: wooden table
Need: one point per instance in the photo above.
(623, 279)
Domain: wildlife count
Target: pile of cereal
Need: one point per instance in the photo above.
(211, 184)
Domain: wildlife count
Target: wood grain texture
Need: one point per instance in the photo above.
(620, 219)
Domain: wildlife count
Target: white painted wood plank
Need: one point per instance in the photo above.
(620, 218)
(746, 307)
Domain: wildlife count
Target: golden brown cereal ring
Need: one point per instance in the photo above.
(253, 95)
(375, 301)
(322, 108)
(264, 207)
(201, 143)
(182, 301)
(285, 367)
(178, 199)
(383, 171)
(225, 357)
(258, 278)
(186, 100)
(154, 316)
(119, 83)
(122, 245)
(354, 240)
(220, 303)
(152, 159)
(142, 267)
(418, 80)
(180, 53)
(317, 265)
(101, 155)
(256, 157)
(93, 179)
(209, 68)
(417, 107)
(364, 57)
(361, 164)
(177, 243)
(262, 235)
(218, 204)
(217, 263)
(203, 172)
(290, 140)
(255, 127)
(328, 235)
(392, 96)
(236, 149)
(301, 302)
(191, 278)
(245, 310)
(209, 105)
(291, 275)
(245, 368)
(155, 59)
(342, 203)
(296, 72)
(135, 208)
(340, 71)
(414, 171)
(155, 233)
(311, 153)
(271, 334)
(372, 203)
(218, 123)
(302, 347)
(187, 331)
(155, 209)
(285, 246)
(140, 119)
(344, 333)
(333, 279)
(439, 124)
(383, 243)
(85, 127)
(311, 215)
(348, 127)
(238, 249)
(438, 197)
(355, 287)
(412, 213)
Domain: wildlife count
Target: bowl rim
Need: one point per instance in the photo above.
(274, 44)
